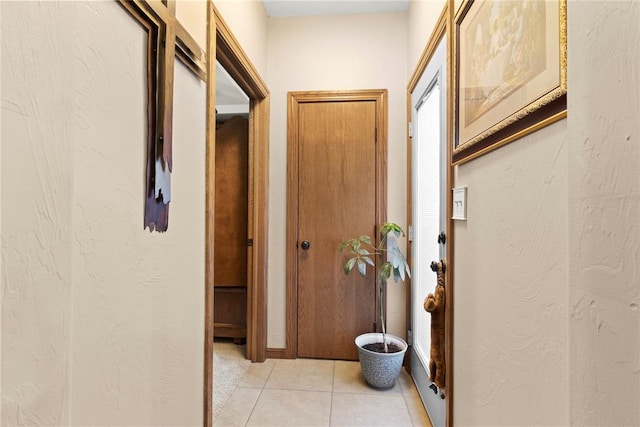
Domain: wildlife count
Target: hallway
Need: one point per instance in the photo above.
(307, 392)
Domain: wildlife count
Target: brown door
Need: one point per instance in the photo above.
(336, 200)
(231, 218)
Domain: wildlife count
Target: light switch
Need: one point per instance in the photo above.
(460, 203)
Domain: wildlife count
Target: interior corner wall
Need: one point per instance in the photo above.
(102, 321)
(604, 212)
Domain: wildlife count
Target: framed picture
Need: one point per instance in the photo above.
(510, 72)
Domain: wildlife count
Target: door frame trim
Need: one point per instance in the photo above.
(232, 57)
(380, 97)
(444, 27)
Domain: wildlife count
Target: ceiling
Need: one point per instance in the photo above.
(230, 100)
(284, 8)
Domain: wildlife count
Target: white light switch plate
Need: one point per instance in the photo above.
(460, 203)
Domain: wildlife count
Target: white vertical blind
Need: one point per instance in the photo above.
(426, 212)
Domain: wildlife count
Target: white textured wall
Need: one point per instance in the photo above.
(333, 53)
(102, 321)
(37, 193)
(604, 212)
(510, 326)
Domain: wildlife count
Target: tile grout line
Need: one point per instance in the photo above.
(333, 381)
(404, 399)
(253, 408)
(406, 403)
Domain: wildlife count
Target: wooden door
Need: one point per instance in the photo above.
(231, 219)
(337, 199)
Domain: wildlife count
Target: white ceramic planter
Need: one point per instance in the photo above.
(381, 370)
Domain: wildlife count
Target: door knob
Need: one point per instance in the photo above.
(306, 245)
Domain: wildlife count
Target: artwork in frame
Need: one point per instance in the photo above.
(510, 72)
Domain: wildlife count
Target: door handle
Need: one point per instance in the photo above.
(306, 245)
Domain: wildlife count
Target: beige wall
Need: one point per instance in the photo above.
(102, 321)
(510, 326)
(36, 216)
(247, 20)
(193, 16)
(604, 212)
(422, 17)
(511, 298)
(333, 53)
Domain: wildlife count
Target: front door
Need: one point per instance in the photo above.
(337, 176)
(428, 184)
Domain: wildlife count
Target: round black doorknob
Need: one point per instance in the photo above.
(306, 245)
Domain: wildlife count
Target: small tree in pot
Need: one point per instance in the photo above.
(362, 253)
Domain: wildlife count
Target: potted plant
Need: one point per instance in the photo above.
(381, 354)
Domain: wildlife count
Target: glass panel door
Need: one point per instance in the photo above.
(429, 198)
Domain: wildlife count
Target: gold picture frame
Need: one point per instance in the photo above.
(510, 72)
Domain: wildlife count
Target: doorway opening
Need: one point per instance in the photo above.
(231, 233)
(230, 276)
(230, 56)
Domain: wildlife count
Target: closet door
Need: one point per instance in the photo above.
(336, 200)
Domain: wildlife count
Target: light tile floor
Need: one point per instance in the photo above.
(307, 392)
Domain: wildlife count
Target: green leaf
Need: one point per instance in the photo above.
(365, 239)
(348, 266)
(385, 272)
(391, 227)
(344, 244)
(395, 257)
(398, 274)
(398, 261)
(369, 261)
(362, 268)
(384, 230)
